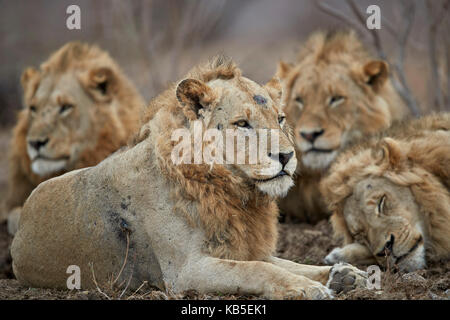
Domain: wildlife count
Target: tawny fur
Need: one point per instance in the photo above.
(240, 223)
(333, 64)
(108, 133)
(414, 154)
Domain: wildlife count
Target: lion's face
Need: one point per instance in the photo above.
(330, 104)
(59, 123)
(62, 110)
(245, 109)
(385, 217)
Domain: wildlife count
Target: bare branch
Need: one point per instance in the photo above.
(433, 27)
(409, 14)
(447, 62)
(374, 33)
(356, 11)
(338, 15)
(398, 76)
(163, 46)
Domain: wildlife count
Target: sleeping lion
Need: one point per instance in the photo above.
(390, 196)
(206, 227)
(79, 108)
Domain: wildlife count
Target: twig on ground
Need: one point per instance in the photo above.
(137, 290)
(124, 260)
(95, 282)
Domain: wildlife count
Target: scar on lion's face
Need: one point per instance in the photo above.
(260, 99)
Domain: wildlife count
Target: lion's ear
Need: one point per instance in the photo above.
(376, 73)
(283, 70)
(391, 151)
(275, 89)
(100, 83)
(30, 81)
(195, 95)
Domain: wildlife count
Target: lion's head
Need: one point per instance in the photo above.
(68, 102)
(392, 195)
(79, 108)
(334, 93)
(238, 107)
(217, 100)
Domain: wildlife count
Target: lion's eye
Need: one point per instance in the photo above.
(281, 119)
(65, 107)
(381, 204)
(336, 100)
(299, 102)
(33, 109)
(242, 124)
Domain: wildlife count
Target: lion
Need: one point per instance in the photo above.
(189, 225)
(390, 196)
(79, 108)
(334, 93)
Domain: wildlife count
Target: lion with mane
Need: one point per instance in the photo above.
(206, 227)
(334, 93)
(79, 108)
(390, 196)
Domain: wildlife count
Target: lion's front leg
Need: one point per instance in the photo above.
(317, 273)
(248, 277)
(352, 253)
(339, 277)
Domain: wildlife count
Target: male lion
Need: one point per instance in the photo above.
(390, 196)
(207, 227)
(79, 108)
(334, 93)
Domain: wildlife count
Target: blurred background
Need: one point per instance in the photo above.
(157, 41)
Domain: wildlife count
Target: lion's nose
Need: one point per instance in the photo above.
(388, 247)
(283, 157)
(37, 144)
(390, 244)
(311, 136)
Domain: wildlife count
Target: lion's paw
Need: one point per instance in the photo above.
(313, 291)
(335, 256)
(318, 292)
(345, 277)
(299, 290)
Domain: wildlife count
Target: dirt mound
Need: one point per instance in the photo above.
(10, 289)
(302, 243)
(432, 283)
(308, 244)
